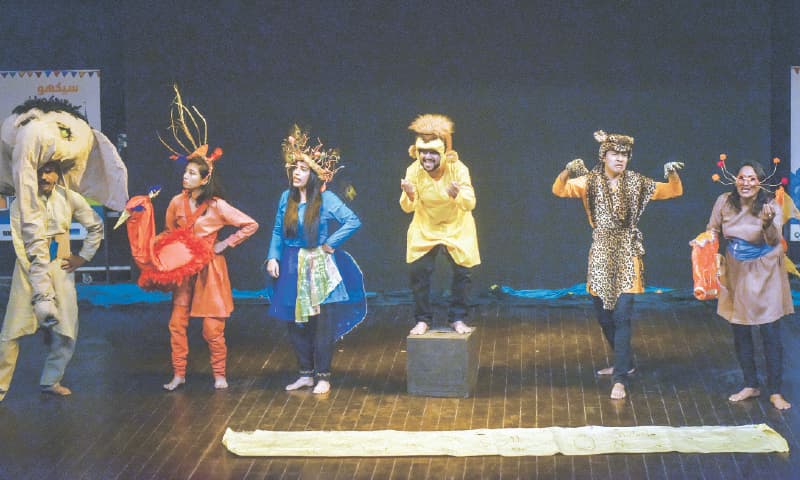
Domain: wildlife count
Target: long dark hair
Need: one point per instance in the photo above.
(763, 196)
(311, 216)
(211, 189)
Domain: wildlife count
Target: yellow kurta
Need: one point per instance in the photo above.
(576, 188)
(438, 218)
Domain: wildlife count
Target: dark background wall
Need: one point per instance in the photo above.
(525, 82)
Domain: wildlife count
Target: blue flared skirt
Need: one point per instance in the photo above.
(347, 303)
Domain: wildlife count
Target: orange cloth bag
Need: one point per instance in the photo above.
(705, 266)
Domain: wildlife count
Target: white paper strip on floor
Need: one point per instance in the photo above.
(507, 442)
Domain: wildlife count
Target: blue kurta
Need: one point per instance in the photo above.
(349, 296)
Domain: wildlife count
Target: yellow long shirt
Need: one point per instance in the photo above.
(576, 188)
(438, 218)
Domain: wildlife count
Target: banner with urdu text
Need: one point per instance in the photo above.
(79, 87)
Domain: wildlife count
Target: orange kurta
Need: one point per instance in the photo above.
(208, 294)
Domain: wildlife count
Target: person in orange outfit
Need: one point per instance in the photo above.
(614, 198)
(201, 211)
(207, 294)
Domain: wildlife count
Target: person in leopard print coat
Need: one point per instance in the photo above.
(614, 199)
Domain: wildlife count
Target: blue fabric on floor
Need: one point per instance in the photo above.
(129, 293)
(578, 289)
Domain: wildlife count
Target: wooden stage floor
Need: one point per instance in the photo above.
(537, 365)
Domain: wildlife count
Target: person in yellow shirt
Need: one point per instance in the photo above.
(437, 189)
(614, 199)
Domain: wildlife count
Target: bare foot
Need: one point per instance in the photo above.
(323, 386)
(174, 383)
(300, 383)
(744, 394)
(57, 389)
(779, 402)
(419, 329)
(220, 382)
(610, 371)
(618, 392)
(461, 327)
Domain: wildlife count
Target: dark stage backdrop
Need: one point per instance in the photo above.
(525, 82)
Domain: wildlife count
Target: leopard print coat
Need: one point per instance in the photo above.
(616, 238)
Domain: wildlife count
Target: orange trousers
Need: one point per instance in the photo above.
(213, 333)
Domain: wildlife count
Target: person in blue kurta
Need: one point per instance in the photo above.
(318, 288)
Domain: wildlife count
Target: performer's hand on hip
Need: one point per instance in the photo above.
(72, 263)
(407, 187)
(272, 268)
(220, 247)
(327, 248)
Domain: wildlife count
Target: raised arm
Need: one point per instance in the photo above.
(465, 199)
(408, 195)
(771, 223)
(566, 187)
(571, 182)
(671, 189)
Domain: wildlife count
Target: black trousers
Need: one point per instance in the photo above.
(616, 326)
(313, 344)
(773, 354)
(421, 271)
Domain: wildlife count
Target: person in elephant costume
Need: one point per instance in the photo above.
(49, 159)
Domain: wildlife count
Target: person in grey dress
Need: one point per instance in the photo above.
(754, 284)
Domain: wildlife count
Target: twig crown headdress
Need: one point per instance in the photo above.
(729, 178)
(186, 130)
(613, 141)
(321, 161)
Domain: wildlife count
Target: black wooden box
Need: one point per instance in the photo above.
(442, 363)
